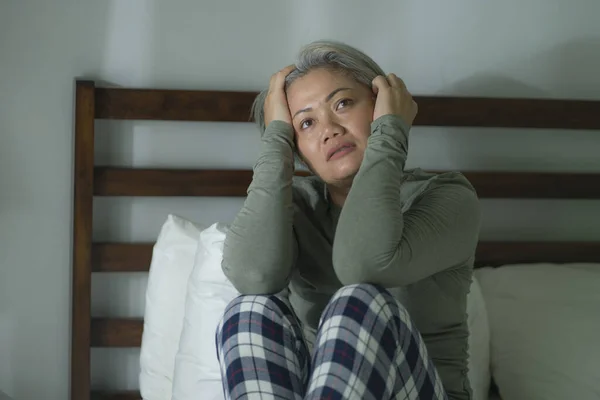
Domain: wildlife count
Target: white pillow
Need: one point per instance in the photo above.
(544, 321)
(208, 294)
(479, 343)
(170, 268)
(478, 340)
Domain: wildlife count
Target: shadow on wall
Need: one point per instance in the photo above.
(489, 85)
(574, 68)
(35, 169)
(570, 70)
(567, 71)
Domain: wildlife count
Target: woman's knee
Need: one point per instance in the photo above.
(367, 292)
(375, 297)
(252, 304)
(248, 313)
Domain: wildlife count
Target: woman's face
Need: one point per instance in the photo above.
(331, 115)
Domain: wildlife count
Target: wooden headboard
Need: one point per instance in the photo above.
(94, 103)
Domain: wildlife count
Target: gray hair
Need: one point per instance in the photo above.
(324, 54)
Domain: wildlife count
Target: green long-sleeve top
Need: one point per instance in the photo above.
(409, 230)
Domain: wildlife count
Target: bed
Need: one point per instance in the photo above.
(95, 102)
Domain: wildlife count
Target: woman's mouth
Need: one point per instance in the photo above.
(341, 152)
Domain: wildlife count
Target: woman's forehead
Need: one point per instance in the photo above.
(316, 86)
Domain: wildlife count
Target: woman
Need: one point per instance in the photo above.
(314, 256)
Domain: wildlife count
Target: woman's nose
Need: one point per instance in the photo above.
(331, 129)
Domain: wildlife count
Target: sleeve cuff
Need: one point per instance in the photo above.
(279, 130)
(392, 126)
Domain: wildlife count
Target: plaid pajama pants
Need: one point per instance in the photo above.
(366, 348)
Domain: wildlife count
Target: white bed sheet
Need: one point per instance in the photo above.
(211, 390)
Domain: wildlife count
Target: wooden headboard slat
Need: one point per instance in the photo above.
(535, 185)
(507, 113)
(82, 240)
(165, 182)
(491, 253)
(173, 105)
(124, 395)
(121, 257)
(230, 106)
(111, 181)
(116, 332)
(136, 257)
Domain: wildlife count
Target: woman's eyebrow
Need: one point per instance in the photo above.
(329, 97)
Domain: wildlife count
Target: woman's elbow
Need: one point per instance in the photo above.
(251, 281)
(353, 269)
(353, 278)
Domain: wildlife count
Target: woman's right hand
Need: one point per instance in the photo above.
(276, 105)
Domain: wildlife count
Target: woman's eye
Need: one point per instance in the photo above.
(306, 123)
(344, 103)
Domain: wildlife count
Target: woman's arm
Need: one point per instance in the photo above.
(260, 247)
(376, 242)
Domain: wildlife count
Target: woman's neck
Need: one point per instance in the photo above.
(338, 194)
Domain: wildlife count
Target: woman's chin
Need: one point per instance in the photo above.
(344, 173)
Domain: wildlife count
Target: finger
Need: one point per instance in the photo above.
(286, 71)
(379, 83)
(394, 81)
(280, 75)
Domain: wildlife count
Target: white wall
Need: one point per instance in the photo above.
(540, 48)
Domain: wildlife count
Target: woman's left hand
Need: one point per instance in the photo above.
(393, 98)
